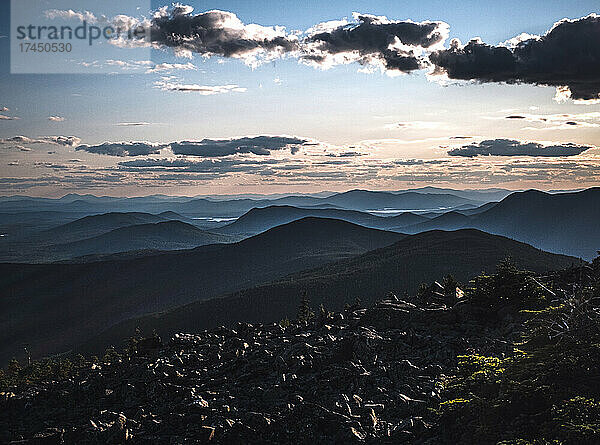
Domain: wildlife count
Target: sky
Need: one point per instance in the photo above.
(230, 97)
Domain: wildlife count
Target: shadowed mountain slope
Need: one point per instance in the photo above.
(53, 306)
(400, 268)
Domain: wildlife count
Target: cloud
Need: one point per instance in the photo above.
(148, 66)
(4, 109)
(132, 124)
(56, 118)
(204, 90)
(171, 66)
(19, 140)
(8, 118)
(411, 162)
(208, 148)
(259, 145)
(510, 147)
(123, 64)
(375, 144)
(345, 154)
(393, 46)
(218, 33)
(70, 15)
(563, 121)
(19, 147)
(122, 149)
(415, 125)
(66, 141)
(212, 166)
(567, 57)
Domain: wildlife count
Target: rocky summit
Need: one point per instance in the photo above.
(365, 375)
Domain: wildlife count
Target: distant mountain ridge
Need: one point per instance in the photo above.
(491, 194)
(260, 219)
(352, 200)
(164, 235)
(107, 233)
(95, 225)
(562, 222)
(559, 222)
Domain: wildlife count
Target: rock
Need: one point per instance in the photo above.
(206, 434)
(148, 345)
(367, 377)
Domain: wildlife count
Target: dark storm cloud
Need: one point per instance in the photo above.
(122, 149)
(510, 147)
(394, 45)
(373, 40)
(208, 148)
(218, 33)
(259, 145)
(567, 57)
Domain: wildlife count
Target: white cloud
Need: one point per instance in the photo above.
(562, 121)
(132, 124)
(170, 67)
(415, 125)
(204, 90)
(67, 141)
(69, 14)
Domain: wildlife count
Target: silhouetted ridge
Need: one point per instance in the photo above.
(400, 268)
(101, 294)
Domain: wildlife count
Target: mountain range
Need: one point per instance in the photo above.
(352, 200)
(112, 270)
(562, 222)
(260, 219)
(108, 233)
(557, 222)
(54, 307)
(166, 235)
